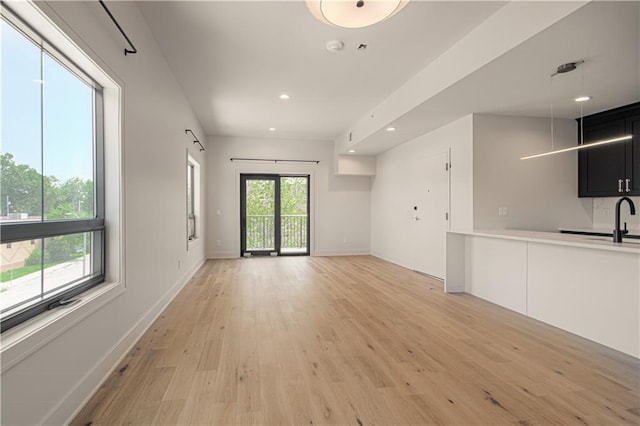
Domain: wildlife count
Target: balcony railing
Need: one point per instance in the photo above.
(261, 232)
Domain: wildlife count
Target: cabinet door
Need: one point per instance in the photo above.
(600, 168)
(633, 154)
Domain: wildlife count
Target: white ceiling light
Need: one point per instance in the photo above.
(272, 129)
(574, 148)
(354, 13)
(390, 129)
(582, 99)
(285, 96)
(352, 151)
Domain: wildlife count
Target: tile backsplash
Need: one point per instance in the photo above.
(604, 213)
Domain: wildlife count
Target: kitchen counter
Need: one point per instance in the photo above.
(633, 233)
(584, 241)
(584, 284)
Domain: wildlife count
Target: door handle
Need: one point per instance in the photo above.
(619, 185)
(627, 182)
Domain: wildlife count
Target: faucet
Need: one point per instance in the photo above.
(618, 233)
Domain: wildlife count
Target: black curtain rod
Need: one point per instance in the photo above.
(126, 51)
(195, 138)
(275, 160)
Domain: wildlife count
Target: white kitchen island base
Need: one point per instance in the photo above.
(589, 288)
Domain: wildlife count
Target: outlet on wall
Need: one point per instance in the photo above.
(503, 211)
(218, 242)
(344, 240)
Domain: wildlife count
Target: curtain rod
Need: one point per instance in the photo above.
(195, 138)
(274, 160)
(126, 51)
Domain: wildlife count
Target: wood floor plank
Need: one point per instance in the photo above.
(355, 340)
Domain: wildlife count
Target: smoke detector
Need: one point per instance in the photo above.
(334, 46)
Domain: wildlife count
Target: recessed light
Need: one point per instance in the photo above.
(272, 129)
(390, 129)
(352, 151)
(583, 98)
(285, 96)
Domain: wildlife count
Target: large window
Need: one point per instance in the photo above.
(51, 177)
(191, 201)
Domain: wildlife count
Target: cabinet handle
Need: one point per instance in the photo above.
(619, 185)
(626, 182)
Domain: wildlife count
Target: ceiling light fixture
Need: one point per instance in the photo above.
(272, 129)
(354, 14)
(285, 96)
(565, 68)
(577, 147)
(391, 129)
(352, 151)
(582, 99)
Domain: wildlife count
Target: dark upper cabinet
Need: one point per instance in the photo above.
(610, 170)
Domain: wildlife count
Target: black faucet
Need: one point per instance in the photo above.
(618, 233)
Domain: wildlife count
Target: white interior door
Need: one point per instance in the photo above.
(431, 214)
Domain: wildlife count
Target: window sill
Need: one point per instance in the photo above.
(23, 340)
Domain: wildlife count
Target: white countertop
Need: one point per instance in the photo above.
(584, 241)
(598, 230)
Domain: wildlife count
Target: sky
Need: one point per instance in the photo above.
(38, 93)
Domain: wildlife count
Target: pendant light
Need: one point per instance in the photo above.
(354, 13)
(564, 68)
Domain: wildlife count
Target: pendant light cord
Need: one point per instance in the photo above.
(581, 107)
(551, 87)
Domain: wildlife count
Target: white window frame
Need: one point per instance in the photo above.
(193, 166)
(24, 339)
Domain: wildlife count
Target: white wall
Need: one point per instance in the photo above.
(392, 230)
(340, 219)
(52, 378)
(604, 210)
(540, 193)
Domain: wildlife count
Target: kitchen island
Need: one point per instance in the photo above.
(586, 285)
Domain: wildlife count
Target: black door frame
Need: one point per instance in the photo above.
(277, 212)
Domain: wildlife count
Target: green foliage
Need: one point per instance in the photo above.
(261, 208)
(293, 196)
(35, 258)
(23, 185)
(60, 249)
(13, 274)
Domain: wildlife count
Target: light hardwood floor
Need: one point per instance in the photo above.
(355, 341)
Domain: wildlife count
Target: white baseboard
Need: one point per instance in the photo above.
(71, 403)
(391, 260)
(222, 255)
(344, 252)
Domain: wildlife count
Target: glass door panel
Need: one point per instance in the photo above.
(274, 215)
(294, 217)
(259, 214)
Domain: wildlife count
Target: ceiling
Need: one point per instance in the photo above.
(234, 58)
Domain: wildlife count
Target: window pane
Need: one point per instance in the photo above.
(260, 214)
(20, 276)
(67, 260)
(68, 144)
(190, 190)
(293, 222)
(20, 159)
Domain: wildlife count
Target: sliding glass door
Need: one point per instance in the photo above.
(274, 214)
